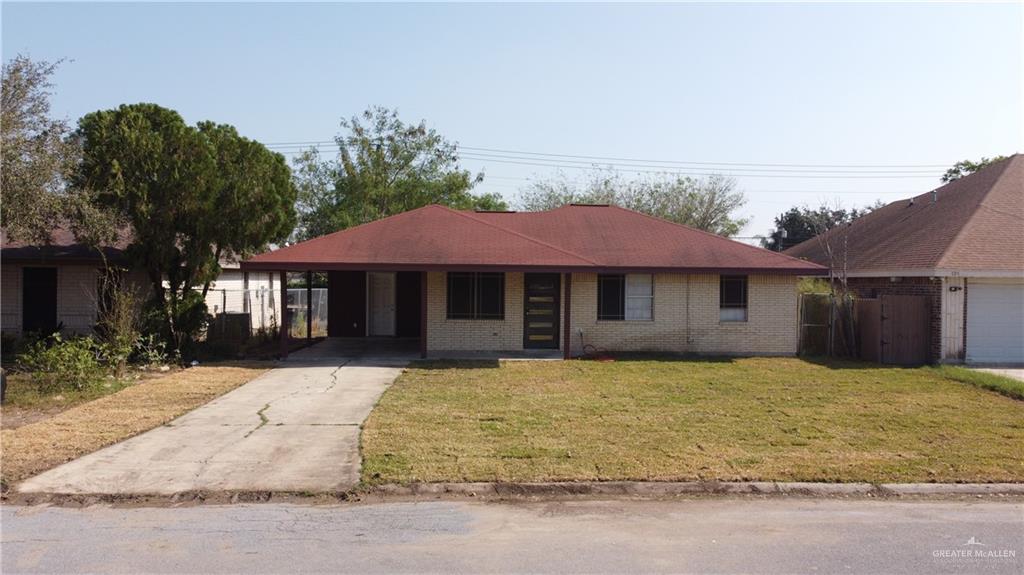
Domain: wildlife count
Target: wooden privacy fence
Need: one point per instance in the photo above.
(891, 329)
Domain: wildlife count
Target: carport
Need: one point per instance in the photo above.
(366, 304)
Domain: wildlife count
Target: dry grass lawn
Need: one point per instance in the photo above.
(780, 419)
(36, 447)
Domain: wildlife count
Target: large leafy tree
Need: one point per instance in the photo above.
(803, 223)
(192, 195)
(254, 189)
(384, 167)
(706, 203)
(38, 157)
(965, 167)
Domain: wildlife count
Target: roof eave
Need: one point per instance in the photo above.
(256, 266)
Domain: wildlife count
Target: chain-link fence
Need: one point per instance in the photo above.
(239, 313)
(298, 311)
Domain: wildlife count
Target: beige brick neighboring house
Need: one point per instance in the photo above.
(578, 280)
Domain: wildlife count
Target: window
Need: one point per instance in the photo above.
(629, 297)
(475, 295)
(732, 298)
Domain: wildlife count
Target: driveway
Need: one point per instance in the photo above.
(1015, 373)
(296, 428)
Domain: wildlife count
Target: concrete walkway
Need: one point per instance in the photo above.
(296, 428)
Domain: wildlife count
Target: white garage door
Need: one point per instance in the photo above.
(995, 322)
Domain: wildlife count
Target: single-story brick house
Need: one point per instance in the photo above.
(567, 280)
(43, 287)
(962, 245)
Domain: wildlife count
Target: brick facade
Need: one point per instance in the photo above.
(77, 304)
(686, 319)
(932, 287)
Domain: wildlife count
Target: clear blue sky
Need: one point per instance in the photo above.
(867, 84)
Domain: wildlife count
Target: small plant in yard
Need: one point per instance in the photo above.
(149, 350)
(117, 329)
(57, 363)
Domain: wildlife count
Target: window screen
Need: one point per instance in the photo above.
(625, 297)
(611, 291)
(639, 296)
(732, 298)
(473, 295)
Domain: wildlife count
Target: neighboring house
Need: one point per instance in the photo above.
(235, 291)
(961, 245)
(576, 278)
(43, 287)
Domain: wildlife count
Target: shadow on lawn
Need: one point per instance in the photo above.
(456, 364)
(846, 363)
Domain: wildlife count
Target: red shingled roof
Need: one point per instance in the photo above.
(975, 223)
(567, 238)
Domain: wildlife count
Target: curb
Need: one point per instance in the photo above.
(669, 489)
(498, 491)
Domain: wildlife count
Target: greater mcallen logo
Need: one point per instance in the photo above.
(974, 549)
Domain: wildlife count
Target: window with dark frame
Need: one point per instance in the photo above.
(611, 297)
(476, 295)
(625, 297)
(732, 298)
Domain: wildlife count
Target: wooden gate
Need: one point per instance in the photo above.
(904, 329)
(868, 319)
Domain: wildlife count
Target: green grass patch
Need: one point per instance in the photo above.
(781, 419)
(22, 392)
(993, 382)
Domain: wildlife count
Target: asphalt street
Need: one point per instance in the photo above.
(680, 536)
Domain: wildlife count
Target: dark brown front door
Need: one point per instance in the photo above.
(39, 300)
(541, 302)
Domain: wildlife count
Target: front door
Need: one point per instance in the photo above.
(381, 307)
(39, 300)
(540, 311)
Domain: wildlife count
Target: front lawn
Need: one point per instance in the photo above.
(53, 439)
(782, 419)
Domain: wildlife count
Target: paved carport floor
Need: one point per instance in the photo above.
(295, 428)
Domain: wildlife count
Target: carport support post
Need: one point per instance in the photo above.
(309, 305)
(567, 305)
(423, 315)
(284, 315)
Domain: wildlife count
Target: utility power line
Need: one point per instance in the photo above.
(481, 152)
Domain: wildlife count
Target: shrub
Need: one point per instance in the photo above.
(57, 363)
(119, 319)
(149, 350)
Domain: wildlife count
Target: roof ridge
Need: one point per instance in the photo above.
(343, 230)
(519, 234)
(707, 233)
(955, 242)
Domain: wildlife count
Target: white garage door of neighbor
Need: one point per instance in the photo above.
(995, 322)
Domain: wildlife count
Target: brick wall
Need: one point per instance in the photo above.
(76, 296)
(686, 318)
(10, 298)
(878, 286)
(473, 334)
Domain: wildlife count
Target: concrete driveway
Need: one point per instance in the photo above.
(296, 428)
(1015, 373)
